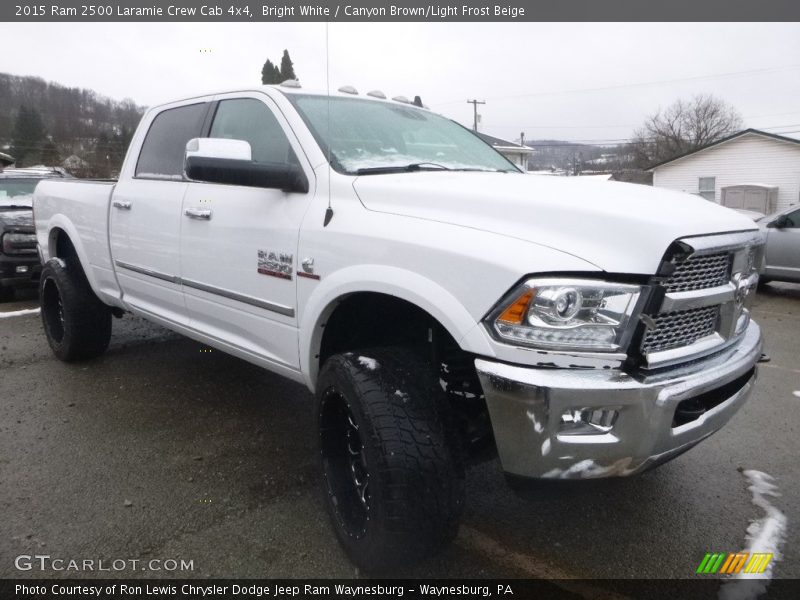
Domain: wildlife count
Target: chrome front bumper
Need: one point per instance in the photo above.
(591, 423)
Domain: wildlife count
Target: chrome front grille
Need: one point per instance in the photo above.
(700, 272)
(680, 328)
(707, 284)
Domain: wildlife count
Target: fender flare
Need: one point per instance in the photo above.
(59, 221)
(407, 285)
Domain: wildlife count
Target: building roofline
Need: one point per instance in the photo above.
(774, 136)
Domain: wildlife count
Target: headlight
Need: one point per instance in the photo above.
(18, 243)
(567, 314)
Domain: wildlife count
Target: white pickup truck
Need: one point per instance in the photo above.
(435, 299)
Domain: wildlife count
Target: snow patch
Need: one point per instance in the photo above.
(763, 535)
(60, 262)
(19, 313)
(546, 447)
(588, 469)
(796, 393)
(401, 395)
(369, 363)
(537, 427)
(443, 383)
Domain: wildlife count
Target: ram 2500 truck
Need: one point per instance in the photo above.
(436, 300)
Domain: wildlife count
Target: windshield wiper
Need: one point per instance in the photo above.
(419, 166)
(13, 206)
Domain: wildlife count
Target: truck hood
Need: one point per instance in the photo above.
(618, 227)
(15, 215)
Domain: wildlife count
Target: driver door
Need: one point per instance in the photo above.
(239, 243)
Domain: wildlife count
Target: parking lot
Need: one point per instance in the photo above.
(165, 449)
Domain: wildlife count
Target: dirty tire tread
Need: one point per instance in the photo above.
(413, 443)
(87, 321)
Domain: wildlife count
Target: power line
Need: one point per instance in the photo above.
(639, 84)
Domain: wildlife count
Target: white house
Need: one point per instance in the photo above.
(516, 153)
(751, 169)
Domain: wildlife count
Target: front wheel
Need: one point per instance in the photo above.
(393, 479)
(77, 324)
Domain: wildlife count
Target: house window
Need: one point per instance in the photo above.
(706, 187)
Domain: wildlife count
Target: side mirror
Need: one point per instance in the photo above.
(217, 160)
(779, 223)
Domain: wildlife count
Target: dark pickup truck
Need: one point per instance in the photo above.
(19, 261)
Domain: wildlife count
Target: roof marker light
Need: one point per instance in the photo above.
(402, 99)
(348, 89)
(290, 83)
(377, 94)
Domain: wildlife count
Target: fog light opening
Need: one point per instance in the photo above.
(588, 421)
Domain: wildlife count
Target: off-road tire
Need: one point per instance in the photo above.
(413, 466)
(6, 294)
(77, 324)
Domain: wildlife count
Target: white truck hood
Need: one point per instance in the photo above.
(618, 227)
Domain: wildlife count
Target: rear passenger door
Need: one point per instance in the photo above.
(145, 216)
(239, 261)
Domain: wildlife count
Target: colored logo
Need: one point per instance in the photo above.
(724, 563)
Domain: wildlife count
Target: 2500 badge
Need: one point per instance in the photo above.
(275, 264)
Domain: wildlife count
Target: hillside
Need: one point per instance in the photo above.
(46, 122)
(574, 156)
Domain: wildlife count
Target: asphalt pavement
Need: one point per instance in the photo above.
(163, 449)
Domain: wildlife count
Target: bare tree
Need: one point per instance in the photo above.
(682, 127)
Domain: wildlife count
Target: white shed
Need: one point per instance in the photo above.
(724, 171)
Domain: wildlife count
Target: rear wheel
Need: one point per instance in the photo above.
(77, 324)
(393, 478)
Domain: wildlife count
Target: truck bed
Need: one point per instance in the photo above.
(80, 208)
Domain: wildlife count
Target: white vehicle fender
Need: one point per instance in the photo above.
(401, 283)
(60, 221)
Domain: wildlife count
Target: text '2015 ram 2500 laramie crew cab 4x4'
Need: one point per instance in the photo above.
(432, 296)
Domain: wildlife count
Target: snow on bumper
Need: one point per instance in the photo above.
(575, 424)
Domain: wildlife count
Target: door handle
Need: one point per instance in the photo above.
(121, 204)
(198, 213)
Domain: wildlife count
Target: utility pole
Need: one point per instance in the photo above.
(475, 112)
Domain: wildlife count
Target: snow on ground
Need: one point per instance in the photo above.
(367, 362)
(764, 535)
(19, 313)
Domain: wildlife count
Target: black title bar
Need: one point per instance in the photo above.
(400, 10)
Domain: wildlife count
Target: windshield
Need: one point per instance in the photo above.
(17, 187)
(374, 136)
(17, 193)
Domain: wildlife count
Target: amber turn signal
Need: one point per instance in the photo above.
(515, 313)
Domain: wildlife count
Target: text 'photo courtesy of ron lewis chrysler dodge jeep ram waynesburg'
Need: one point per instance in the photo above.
(436, 300)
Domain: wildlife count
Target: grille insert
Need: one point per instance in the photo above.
(700, 272)
(680, 328)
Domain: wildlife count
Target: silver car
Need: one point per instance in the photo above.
(782, 256)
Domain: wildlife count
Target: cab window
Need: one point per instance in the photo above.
(165, 144)
(250, 120)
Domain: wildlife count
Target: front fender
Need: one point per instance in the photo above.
(401, 283)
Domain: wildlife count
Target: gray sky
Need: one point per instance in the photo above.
(539, 78)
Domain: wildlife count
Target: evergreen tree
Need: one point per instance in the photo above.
(287, 67)
(50, 155)
(270, 73)
(27, 135)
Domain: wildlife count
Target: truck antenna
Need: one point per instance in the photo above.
(329, 210)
